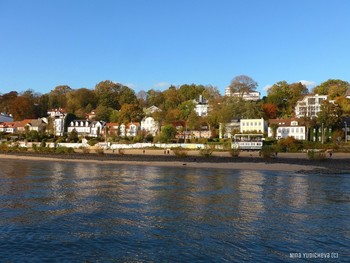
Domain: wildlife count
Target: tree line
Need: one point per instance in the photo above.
(115, 102)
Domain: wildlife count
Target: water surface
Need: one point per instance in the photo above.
(77, 212)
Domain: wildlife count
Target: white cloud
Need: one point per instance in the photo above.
(308, 83)
(161, 85)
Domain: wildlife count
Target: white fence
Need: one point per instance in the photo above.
(114, 146)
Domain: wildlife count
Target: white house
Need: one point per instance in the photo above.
(58, 116)
(253, 125)
(309, 106)
(226, 129)
(8, 127)
(251, 96)
(82, 127)
(129, 130)
(97, 128)
(201, 106)
(287, 128)
(149, 125)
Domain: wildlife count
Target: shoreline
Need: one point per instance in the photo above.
(290, 163)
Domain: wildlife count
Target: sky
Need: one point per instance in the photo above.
(152, 44)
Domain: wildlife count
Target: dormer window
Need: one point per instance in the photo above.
(294, 123)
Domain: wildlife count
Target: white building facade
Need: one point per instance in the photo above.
(309, 106)
(251, 96)
(82, 127)
(58, 117)
(202, 106)
(149, 125)
(287, 128)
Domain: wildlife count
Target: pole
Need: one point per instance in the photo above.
(322, 132)
(346, 132)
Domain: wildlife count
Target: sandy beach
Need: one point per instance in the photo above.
(220, 160)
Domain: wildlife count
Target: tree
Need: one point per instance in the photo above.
(80, 101)
(6, 101)
(270, 110)
(156, 98)
(330, 114)
(57, 97)
(332, 88)
(285, 97)
(73, 136)
(103, 113)
(168, 133)
(171, 98)
(22, 108)
(130, 113)
(186, 108)
(243, 84)
(190, 92)
(211, 93)
(344, 104)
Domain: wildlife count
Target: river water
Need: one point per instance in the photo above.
(92, 212)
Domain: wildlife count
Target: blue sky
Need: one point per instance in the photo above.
(154, 43)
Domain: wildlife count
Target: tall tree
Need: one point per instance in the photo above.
(22, 108)
(57, 97)
(285, 97)
(81, 101)
(243, 84)
(330, 114)
(190, 92)
(332, 88)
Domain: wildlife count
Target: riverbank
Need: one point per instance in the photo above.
(297, 162)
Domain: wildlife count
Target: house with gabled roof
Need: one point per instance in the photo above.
(283, 128)
(8, 127)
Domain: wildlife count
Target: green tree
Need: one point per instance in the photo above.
(57, 97)
(168, 133)
(73, 136)
(332, 87)
(190, 92)
(186, 108)
(330, 114)
(172, 98)
(103, 113)
(80, 101)
(156, 98)
(285, 97)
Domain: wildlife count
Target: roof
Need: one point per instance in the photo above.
(285, 122)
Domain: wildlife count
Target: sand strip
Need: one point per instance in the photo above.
(203, 165)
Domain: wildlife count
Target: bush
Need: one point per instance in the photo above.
(267, 152)
(121, 151)
(64, 150)
(92, 142)
(85, 150)
(234, 153)
(206, 152)
(180, 152)
(316, 155)
(99, 151)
